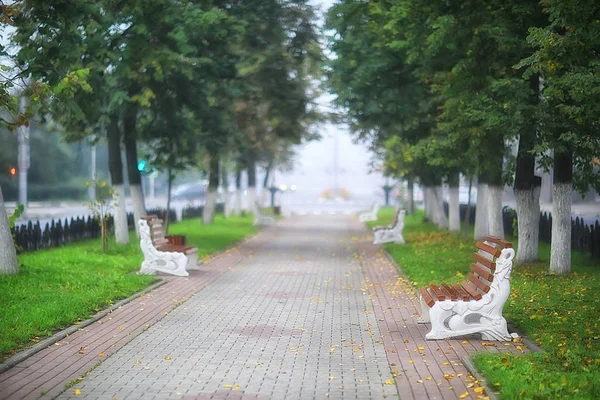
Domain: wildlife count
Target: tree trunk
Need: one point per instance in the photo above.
(8, 253)
(170, 178)
(115, 165)
(560, 246)
(427, 203)
(527, 195)
(494, 201)
(411, 196)
(134, 175)
(528, 187)
(454, 209)
(442, 221)
(238, 192)
(468, 210)
(251, 184)
(528, 221)
(481, 213)
(208, 215)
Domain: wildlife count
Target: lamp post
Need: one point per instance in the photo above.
(23, 161)
(387, 188)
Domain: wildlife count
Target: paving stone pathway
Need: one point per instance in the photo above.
(308, 309)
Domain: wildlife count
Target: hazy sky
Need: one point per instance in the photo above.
(315, 166)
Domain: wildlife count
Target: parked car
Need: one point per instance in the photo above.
(189, 191)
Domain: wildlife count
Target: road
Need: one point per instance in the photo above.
(295, 203)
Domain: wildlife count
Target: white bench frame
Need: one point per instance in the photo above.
(451, 318)
(261, 219)
(173, 263)
(391, 233)
(370, 215)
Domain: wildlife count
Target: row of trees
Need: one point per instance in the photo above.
(189, 83)
(446, 88)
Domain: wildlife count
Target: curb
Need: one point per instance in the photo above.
(23, 355)
(468, 363)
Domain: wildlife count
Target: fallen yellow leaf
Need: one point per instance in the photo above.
(228, 386)
(167, 358)
(479, 389)
(77, 391)
(389, 382)
(464, 395)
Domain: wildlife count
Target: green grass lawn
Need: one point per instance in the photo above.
(559, 313)
(58, 287)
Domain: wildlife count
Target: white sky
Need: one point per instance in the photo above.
(315, 164)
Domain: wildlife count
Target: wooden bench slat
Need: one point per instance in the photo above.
(436, 292)
(494, 239)
(484, 287)
(484, 261)
(472, 290)
(488, 249)
(483, 272)
(461, 292)
(449, 291)
(426, 296)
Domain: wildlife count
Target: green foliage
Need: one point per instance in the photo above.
(15, 215)
(58, 287)
(559, 313)
(565, 54)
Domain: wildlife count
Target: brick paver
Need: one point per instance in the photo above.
(310, 308)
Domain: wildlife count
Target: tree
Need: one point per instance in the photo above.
(12, 88)
(566, 58)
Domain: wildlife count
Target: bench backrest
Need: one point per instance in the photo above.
(157, 231)
(485, 272)
(398, 219)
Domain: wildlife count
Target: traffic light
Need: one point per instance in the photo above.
(13, 171)
(142, 165)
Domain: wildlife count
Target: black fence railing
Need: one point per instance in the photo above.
(584, 237)
(59, 232)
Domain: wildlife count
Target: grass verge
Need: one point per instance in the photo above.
(559, 313)
(56, 288)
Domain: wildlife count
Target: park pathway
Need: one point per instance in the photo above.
(307, 309)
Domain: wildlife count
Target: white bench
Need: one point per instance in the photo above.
(475, 305)
(160, 255)
(370, 215)
(261, 219)
(390, 233)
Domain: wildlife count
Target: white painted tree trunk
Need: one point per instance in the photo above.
(237, 206)
(481, 213)
(560, 247)
(442, 220)
(494, 211)
(410, 208)
(528, 220)
(251, 199)
(121, 231)
(227, 200)
(8, 253)
(208, 214)
(454, 209)
(139, 208)
(427, 202)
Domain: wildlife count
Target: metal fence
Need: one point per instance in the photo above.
(60, 232)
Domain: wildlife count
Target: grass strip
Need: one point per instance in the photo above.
(59, 287)
(560, 313)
